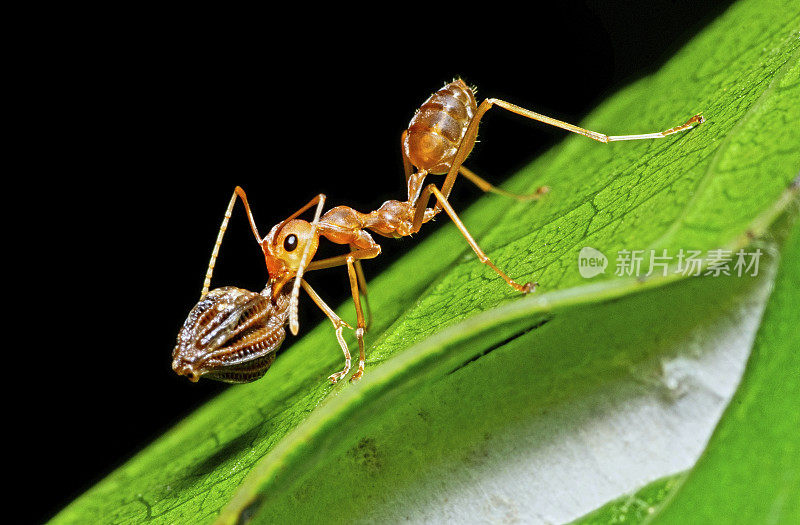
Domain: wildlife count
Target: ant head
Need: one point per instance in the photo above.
(284, 247)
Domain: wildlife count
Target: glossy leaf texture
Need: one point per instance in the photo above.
(293, 443)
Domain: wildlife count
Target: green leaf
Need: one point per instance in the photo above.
(633, 508)
(750, 472)
(261, 450)
(516, 393)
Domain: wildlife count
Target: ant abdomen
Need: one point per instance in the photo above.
(437, 129)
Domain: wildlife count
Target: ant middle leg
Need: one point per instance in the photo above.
(360, 323)
(362, 286)
(358, 287)
(339, 260)
(489, 187)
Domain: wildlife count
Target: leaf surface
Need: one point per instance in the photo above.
(750, 472)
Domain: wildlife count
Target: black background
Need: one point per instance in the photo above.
(139, 126)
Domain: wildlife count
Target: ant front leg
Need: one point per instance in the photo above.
(338, 325)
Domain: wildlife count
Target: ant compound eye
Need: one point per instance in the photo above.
(290, 242)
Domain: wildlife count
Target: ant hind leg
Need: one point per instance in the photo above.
(422, 204)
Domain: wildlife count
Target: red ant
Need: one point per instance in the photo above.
(232, 334)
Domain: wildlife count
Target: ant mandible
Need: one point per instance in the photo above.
(232, 334)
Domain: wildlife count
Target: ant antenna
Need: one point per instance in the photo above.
(294, 324)
(223, 227)
(215, 251)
